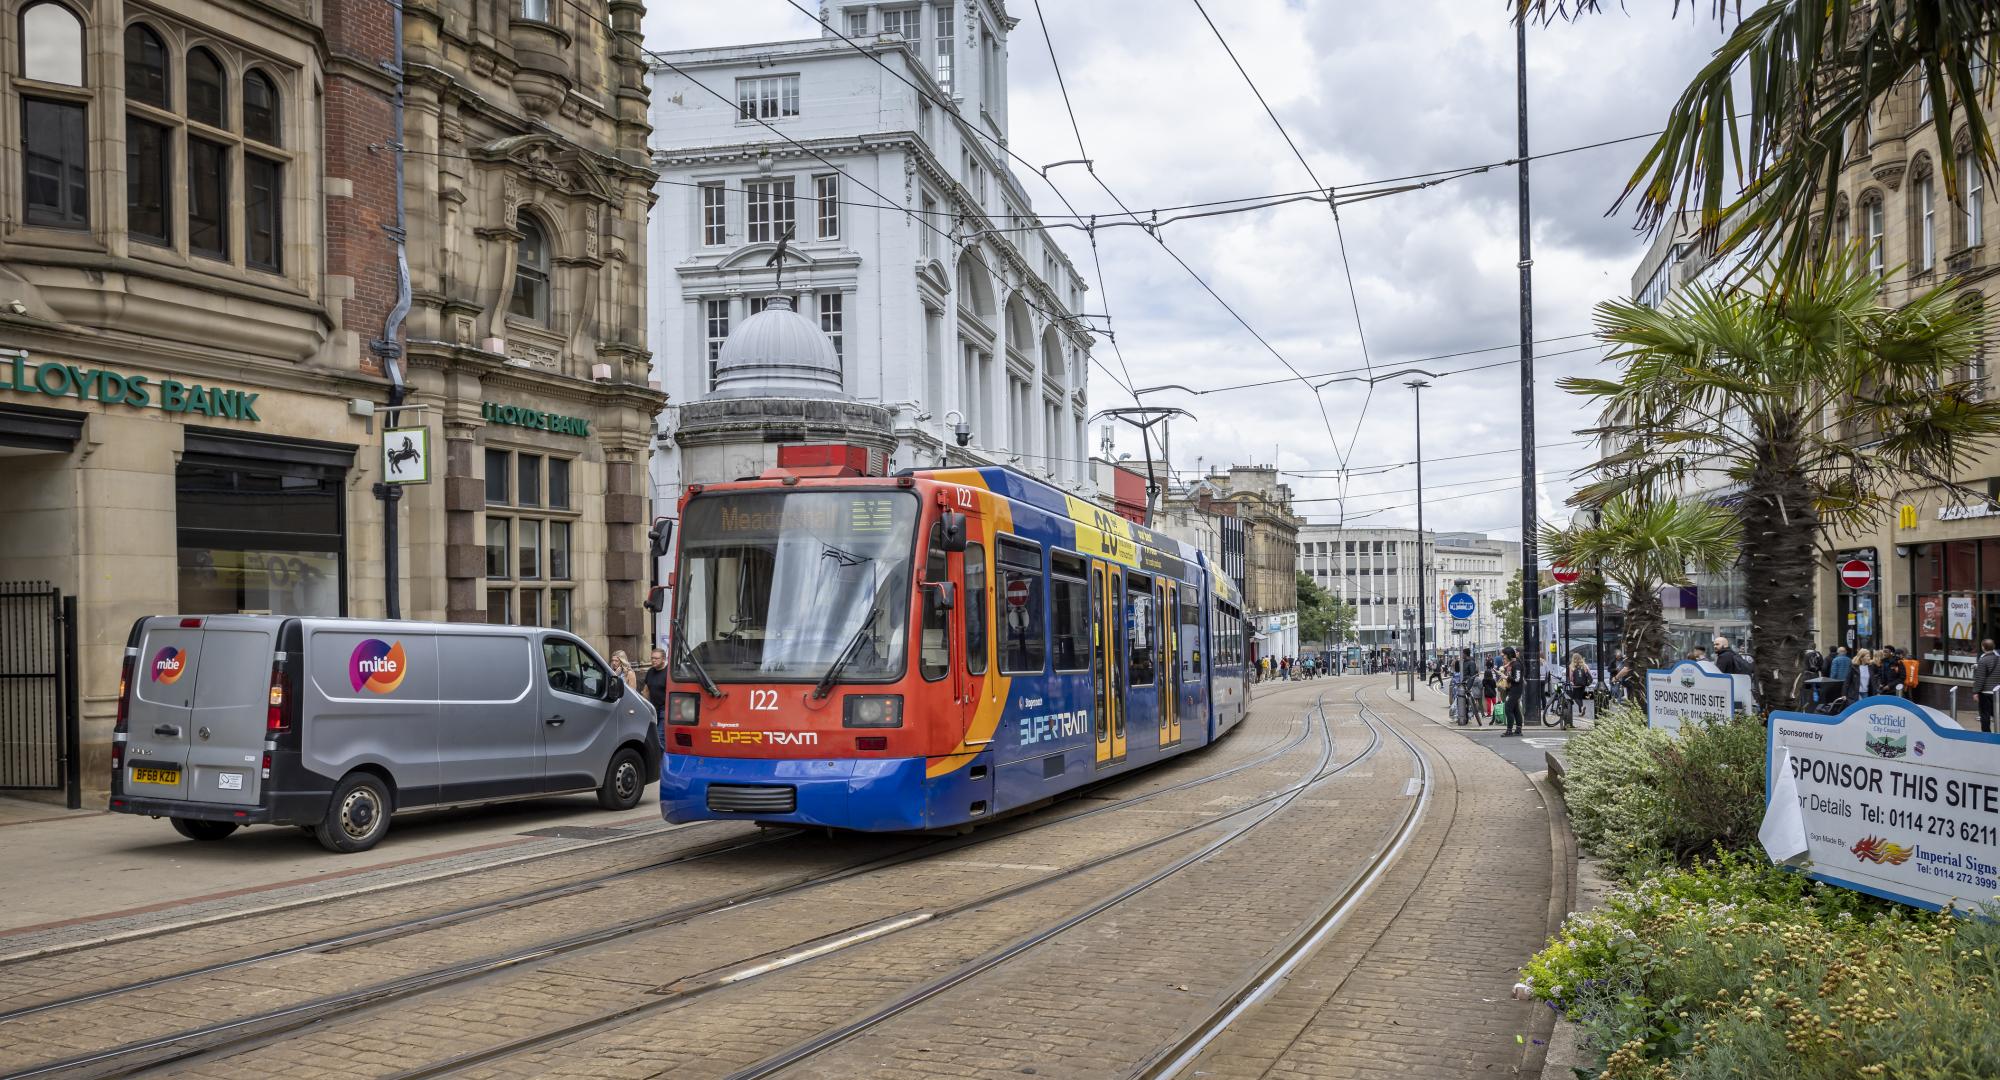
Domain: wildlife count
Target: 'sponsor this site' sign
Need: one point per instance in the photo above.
(1687, 691)
(1889, 802)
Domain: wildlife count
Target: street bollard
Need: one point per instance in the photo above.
(1954, 705)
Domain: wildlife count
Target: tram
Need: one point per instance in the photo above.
(931, 649)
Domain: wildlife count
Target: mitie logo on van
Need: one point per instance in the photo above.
(169, 664)
(378, 666)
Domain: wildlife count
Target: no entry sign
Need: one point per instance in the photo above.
(1565, 575)
(1017, 593)
(1856, 574)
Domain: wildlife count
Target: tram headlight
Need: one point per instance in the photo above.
(873, 711)
(683, 708)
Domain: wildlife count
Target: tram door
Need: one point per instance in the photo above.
(1106, 673)
(1170, 664)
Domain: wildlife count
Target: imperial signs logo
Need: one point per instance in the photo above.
(377, 666)
(169, 664)
(1875, 849)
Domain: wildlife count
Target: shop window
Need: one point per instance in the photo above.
(208, 198)
(525, 543)
(975, 608)
(1022, 626)
(559, 484)
(261, 533)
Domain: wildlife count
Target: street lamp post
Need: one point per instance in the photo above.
(1531, 570)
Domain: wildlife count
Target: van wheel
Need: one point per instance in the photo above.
(356, 816)
(624, 781)
(197, 829)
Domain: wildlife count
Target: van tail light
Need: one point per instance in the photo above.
(267, 764)
(125, 693)
(117, 758)
(276, 719)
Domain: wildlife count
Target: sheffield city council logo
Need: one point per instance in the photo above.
(378, 666)
(169, 664)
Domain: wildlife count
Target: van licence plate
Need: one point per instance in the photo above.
(169, 775)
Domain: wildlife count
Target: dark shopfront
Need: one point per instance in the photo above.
(1953, 602)
(261, 526)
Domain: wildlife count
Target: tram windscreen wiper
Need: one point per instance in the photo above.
(853, 644)
(694, 665)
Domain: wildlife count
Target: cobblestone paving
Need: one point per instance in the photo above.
(568, 988)
(1418, 982)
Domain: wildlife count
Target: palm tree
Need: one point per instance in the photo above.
(1641, 546)
(1813, 71)
(1817, 406)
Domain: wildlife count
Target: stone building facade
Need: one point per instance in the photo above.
(912, 244)
(1935, 587)
(1260, 511)
(228, 228)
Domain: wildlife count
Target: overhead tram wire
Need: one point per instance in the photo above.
(951, 109)
(1091, 167)
(953, 242)
(1340, 242)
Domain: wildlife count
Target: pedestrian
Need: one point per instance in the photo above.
(1729, 661)
(1888, 672)
(1696, 654)
(1512, 687)
(1631, 684)
(1861, 677)
(621, 666)
(1579, 679)
(1488, 694)
(1986, 677)
(656, 683)
(1840, 665)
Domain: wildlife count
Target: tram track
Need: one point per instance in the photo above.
(375, 935)
(246, 1032)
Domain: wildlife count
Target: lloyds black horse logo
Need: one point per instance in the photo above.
(406, 452)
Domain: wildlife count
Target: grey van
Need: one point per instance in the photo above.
(334, 725)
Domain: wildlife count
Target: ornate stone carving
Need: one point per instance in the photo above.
(529, 354)
(511, 198)
(591, 217)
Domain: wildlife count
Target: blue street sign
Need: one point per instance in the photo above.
(1461, 606)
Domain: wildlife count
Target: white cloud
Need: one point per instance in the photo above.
(1369, 89)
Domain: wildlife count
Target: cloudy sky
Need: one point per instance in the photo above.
(1370, 90)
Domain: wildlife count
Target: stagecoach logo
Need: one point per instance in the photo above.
(377, 666)
(169, 664)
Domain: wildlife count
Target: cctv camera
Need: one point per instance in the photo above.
(963, 433)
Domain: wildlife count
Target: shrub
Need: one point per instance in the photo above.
(1734, 968)
(1640, 798)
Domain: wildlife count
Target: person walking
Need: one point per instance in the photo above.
(1729, 661)
(1985, 678)
(1487, 692)
(656, 683)
(1888, 672)
(1578, 680)
(1513, 686)
(1860, 677)
(1840, 665)
(621, 666)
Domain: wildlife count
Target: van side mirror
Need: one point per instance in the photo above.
(953, 528)
(656, 599)
(944, 594)
(661, 536)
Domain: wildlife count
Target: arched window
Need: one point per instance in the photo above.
(55, 145)
(52, 44)
(260, 109)
(146, 67)
(207, 93)
(531, 272)
(1872, 228)
(1923, 216)
(1972, 183)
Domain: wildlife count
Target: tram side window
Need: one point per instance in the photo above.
(1022, 625)
(1069, 614)
(934, 660)
(975, 608)
(1190, 640)
(1139, 630)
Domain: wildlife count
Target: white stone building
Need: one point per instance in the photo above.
(951, 307)
(1376, 571)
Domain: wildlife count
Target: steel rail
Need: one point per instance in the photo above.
(243, 1031)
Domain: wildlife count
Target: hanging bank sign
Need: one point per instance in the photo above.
(20, 375)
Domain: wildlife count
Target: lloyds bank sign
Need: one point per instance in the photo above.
(20, 375)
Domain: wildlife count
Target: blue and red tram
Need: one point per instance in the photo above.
(930, 649)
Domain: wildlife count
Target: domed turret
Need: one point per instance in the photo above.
(777, 353)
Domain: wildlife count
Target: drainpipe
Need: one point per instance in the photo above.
(387, 349)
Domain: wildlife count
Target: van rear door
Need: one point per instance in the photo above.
(160, 720)
(226, 735)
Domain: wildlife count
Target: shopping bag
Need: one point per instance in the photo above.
(1500, 712)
